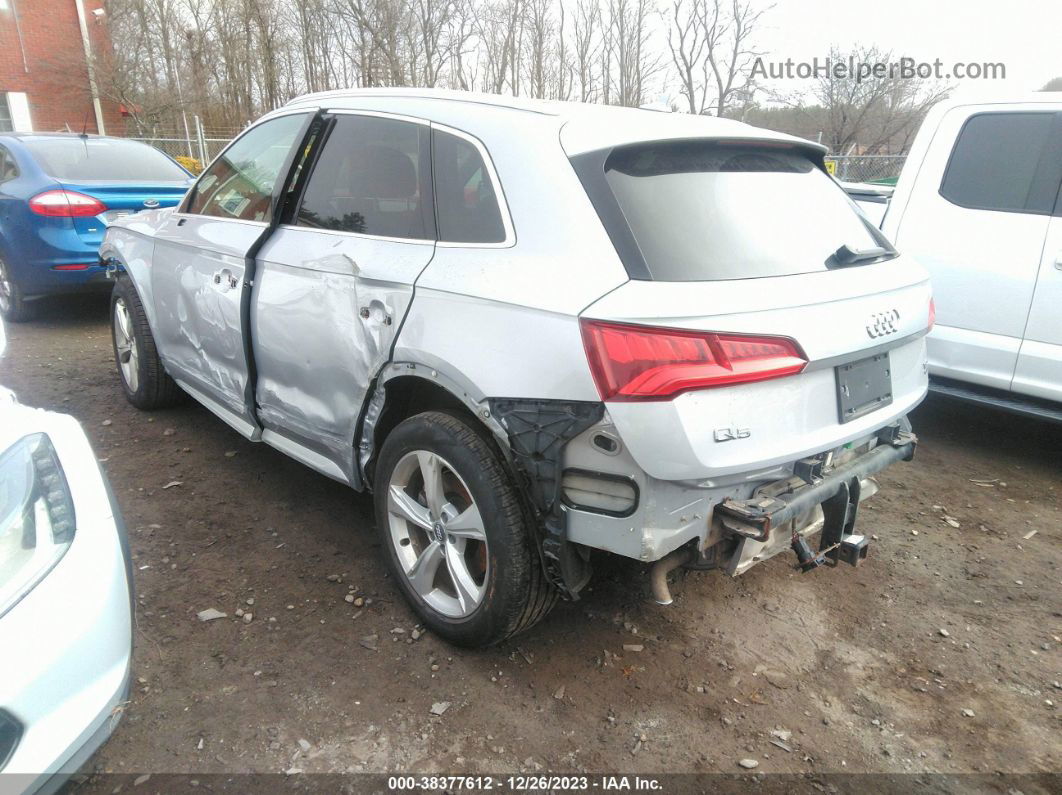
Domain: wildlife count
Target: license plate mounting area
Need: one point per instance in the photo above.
(863, 386)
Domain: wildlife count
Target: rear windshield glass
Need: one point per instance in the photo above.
(98, 160)
(702, 211)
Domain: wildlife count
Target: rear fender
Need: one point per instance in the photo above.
(530, 434)
(436, 375)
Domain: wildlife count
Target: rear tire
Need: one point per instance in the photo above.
(462, 551)
(144, 380)
(14, 307)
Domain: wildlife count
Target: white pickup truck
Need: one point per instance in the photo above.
(979, 205)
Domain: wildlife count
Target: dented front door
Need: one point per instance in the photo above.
(334, 284)
(198, 271)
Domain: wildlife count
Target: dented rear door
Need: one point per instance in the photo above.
(335, 281)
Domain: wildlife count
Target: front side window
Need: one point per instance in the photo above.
(240, 183)
(704, 211)
(466, 207)
(1004, 161)
(373, 178)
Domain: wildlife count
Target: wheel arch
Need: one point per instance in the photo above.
(529, 434)
(404, 389)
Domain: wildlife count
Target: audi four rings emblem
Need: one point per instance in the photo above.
(883, 323)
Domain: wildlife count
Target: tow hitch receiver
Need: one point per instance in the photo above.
(854, 549)
(837, 542)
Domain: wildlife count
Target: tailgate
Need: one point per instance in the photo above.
(836, 317)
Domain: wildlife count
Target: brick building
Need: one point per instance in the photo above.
(44, 78)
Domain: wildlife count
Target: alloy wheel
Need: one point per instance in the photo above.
(125, 345)
(6, 288)
(438, 534)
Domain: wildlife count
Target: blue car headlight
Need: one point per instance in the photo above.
(36, 516)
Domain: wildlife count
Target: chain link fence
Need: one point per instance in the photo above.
(192, 153)
(193, 146)
(880, 169)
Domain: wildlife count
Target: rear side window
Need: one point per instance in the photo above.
(78, 159)
(8, 166)
(704, 211)
(239, 184)
(371, 178)
(1005, 161)
(466, 205)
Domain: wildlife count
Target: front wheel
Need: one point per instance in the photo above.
(14, 307)
(144, 380)
(458, 539)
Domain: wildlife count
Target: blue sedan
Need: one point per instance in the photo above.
(58, 193)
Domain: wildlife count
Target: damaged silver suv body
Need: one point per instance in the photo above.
(537, 332)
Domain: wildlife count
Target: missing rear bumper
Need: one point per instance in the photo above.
(783, 514)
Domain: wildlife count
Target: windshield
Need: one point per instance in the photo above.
(702, 211)
(103, 160)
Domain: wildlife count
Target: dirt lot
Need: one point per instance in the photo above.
(856, 670)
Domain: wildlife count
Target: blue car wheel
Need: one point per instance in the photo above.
(13, 306)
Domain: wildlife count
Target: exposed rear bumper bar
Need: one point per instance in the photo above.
(754, 518)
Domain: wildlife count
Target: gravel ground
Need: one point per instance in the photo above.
(941, 654)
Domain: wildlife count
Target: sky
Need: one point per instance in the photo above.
(1025, 35)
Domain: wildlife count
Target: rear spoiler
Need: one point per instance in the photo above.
(814, 152)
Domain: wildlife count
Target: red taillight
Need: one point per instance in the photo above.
(932, 314)
(645, 363)
(66, 204)
(78, 267)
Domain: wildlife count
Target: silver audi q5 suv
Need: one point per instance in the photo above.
(536, 332)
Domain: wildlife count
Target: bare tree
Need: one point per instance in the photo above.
(464, 50)
(627, 43)
(432, 18)
(540, 32)
(730, 51)
(227, 61)
(686, 41)
(711, 45)
(876, 115)
(585, 45)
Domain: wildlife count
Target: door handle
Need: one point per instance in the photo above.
(382, 315)
(225, 277)
(1058, 261)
